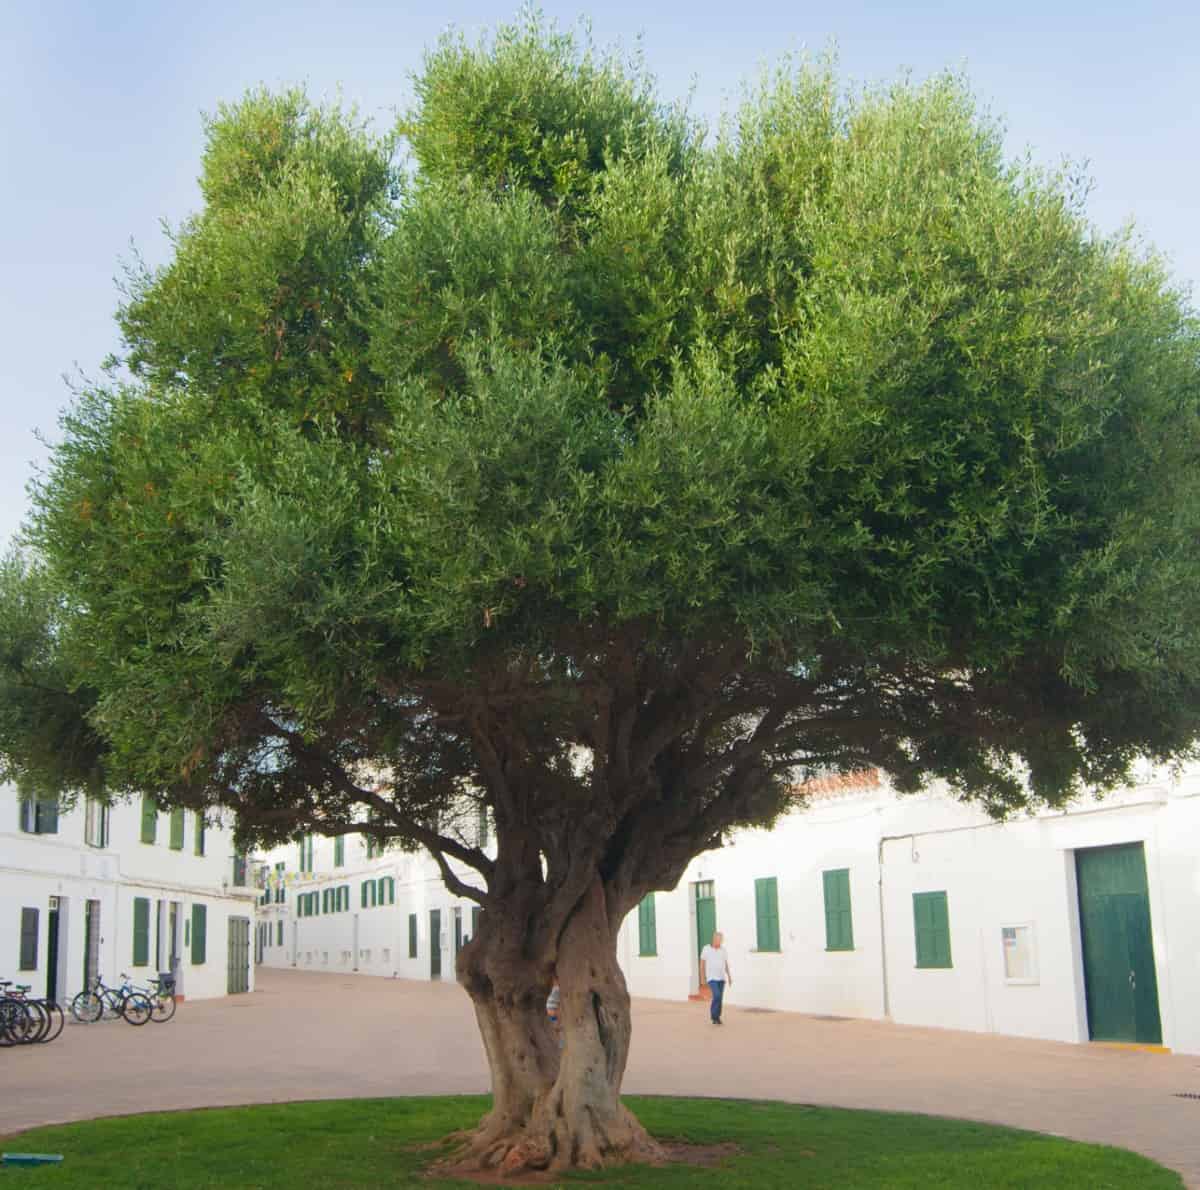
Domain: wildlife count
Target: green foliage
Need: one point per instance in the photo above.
(841, 403)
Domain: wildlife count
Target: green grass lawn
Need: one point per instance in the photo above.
(376, 1142)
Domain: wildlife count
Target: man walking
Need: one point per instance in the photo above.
(714, 970)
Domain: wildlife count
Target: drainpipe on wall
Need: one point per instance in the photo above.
(887, 1002)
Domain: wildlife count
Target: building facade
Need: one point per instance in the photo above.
(342, 905)
(102, 890)
(1068, 926)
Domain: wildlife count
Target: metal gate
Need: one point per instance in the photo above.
(239, 955)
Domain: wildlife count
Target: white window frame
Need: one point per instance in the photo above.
(1034, 978)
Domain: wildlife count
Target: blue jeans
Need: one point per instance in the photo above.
(717, 987)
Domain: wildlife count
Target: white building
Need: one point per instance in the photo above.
(127, 888)
(341, 905)
(1068, 926)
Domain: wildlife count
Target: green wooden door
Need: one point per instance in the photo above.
(1118, 950)
(238, 962)
(706, 914)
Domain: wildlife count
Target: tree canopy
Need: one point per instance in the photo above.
(612, 473)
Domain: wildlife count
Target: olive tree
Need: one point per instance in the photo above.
(608, 476)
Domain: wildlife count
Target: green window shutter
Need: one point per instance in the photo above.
(339, 851)
(362, 893)
(412, 935)
(149, 820)
(325, 900)
(309, 841)
(29, 940)
(839, 925)
(199, 848)
(766, 913)
(141, 931)
(177, 829)
(199, 934)
(372, 893)
(931, 928)
(47, 817)
(279, 933)
(387, 890)
(647, 926)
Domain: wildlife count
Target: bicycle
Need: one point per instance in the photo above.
(161, 992)
(92, 1003)
(28, 1020)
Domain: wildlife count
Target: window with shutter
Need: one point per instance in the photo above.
(647, 927)
(931, 928)
(766, 912)
(177, 829)
(28, 959)
(199, 934)
(39, 816)
(412, 935)
(199, 848)
(141, 931)
(339, 851)
(149, 820)
(279, 933)
(95, 823)
(839, 925)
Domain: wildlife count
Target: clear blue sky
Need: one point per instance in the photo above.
(100, 135)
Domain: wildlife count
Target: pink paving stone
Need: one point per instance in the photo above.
(304, 1035)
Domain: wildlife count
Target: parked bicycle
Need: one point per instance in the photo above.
(161, 991)
(102, 1001)
(27, 1020)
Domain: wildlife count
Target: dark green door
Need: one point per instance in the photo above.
(238, 961)
(52, 952)
(435, 944)
(1118, 950)
(706, 914)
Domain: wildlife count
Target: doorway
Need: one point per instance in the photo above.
(52, 951)
(1120, 982)
(705, 902)
(238, 959)
(91, 943)
(435, 944)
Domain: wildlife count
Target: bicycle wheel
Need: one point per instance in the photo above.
(39, 1021)
(113, 1002)
(7, 1012)
(136, 1008)
(18, 1022)
(87, 1007)
(58, 1020)
(164, 1007)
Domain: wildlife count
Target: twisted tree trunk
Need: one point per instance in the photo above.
(553, 1109)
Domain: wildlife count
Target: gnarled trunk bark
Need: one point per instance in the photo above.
(553, 1108)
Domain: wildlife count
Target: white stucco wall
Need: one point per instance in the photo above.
(994, 875)
(36, 867)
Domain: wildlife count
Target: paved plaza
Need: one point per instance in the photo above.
(313, 1036)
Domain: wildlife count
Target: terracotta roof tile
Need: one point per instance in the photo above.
(836, 784)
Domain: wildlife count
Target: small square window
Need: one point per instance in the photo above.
(1020, 953)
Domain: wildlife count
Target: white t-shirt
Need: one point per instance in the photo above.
(715, 962)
